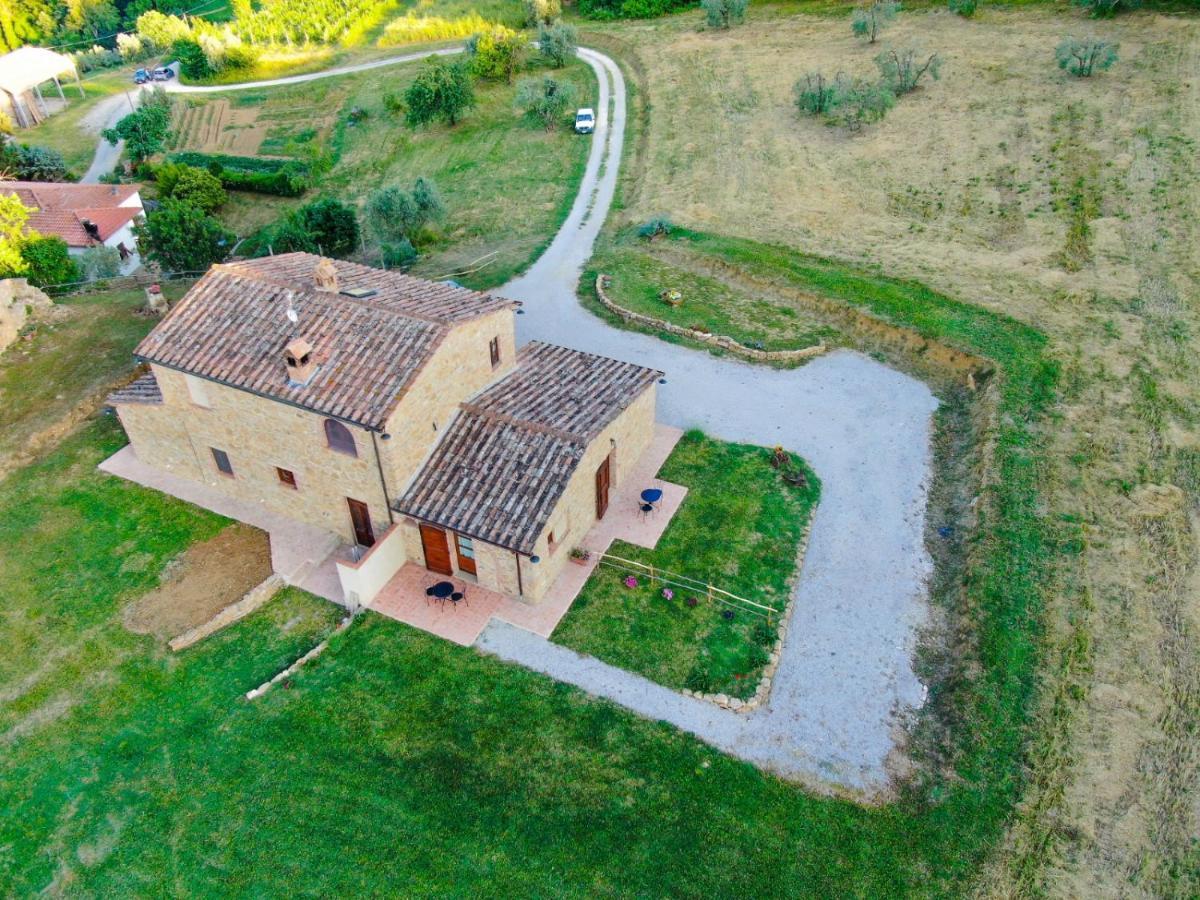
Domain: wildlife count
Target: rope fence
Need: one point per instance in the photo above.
(685, 583)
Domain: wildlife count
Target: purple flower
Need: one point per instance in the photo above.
(630, 582)
(668, 594)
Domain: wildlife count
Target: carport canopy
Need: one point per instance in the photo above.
(27, 67)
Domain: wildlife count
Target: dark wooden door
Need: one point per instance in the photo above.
(360, 516)
(465, 549)
(603, 480)
(437, 550)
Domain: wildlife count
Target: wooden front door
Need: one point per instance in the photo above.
(437, 550)
(360, 516)
(465, 549)
(603, 480)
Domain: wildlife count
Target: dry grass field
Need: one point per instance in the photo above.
(1071, 205)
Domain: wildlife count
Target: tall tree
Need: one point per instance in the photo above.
(181, 237)
(441, 91)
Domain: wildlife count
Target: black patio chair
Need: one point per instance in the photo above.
(459, 595)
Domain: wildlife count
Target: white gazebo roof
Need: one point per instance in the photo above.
(26, 67)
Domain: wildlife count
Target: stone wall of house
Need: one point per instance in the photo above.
(626, 439)
(17, 298)
(258, 435)
(460, 369)
(496, 567)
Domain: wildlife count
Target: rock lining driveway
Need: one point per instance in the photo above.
(845, 678)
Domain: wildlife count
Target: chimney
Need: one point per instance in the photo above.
(301, 365)
(325, 276)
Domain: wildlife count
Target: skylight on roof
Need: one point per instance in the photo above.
(359, 293)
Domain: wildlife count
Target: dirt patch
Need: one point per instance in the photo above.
(201, 582)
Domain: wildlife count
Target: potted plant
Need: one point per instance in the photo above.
(579, 556)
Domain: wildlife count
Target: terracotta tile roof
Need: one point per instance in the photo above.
(416, 297)
(569, 391)
(505, 461)
(232, 327)
(143, 389)
(62, 208)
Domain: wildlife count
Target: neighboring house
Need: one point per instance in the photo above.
(383, 407)
(84, 215)
(22, 74)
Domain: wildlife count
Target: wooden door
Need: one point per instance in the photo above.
(360, 516)
(464, 548)
(603, 480)
(437, 550)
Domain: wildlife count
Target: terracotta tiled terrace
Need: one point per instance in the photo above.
(404, 598)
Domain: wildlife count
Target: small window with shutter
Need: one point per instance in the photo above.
(221, 458)
(286, 477)
(494, 351)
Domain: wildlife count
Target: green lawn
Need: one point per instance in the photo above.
(738, 528)
(74, 356)
(639, 276)
(507, 183)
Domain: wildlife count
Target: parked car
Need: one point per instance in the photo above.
(163, 74)
(585, 121)
(141, 76)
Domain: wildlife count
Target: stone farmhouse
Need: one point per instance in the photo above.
(394, 412)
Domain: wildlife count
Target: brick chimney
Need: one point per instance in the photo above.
(325, 276)
(301, 365)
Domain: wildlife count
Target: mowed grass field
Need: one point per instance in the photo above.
(1071, 205)
(507, 183)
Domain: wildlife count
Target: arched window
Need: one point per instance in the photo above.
(339, 438)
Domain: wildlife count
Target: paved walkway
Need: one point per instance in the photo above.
(846, 670)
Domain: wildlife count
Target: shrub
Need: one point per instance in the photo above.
(557, 42)
(181, 237)
(193, 61)
(964, 8)
(39, 164)
(441, 91)
(332, 225)
(100, 262)
(902, 71)
(197, 186)
(241, 56)
(393, 214)
(399, 255)
(1081, 56)
(659, 225)
(47, 261)
(7, 125)
(96, 57)
(814, 94)
(857, 102)
(723, 13)
(867, 21)
(542, 12)
(161, 30)
(497, 52)
(393, 103)
(629, 9)
(545, 100)
(285, 178)
(131, 47)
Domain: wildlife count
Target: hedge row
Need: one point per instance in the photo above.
(630, 9)
(285, 178)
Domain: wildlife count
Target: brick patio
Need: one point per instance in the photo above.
(404, 599)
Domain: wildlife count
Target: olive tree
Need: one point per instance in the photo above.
(871, 18)
(441, 91)
(723, 13)
(902, 70)
(857, 102)
(814, 94)
(1082, 56)
(557, 42)
(545, 99)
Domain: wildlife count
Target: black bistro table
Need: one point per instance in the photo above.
(651, 495)
(442, 590)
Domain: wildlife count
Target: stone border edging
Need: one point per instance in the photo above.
(714, 340)
(294, 667)
(763, 691)
(251, 600)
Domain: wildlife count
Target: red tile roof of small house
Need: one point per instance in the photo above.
(61, 209)
(232, 327)
(501, 468)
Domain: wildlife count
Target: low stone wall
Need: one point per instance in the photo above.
(253, 599)
(715, 340)
(763, 691)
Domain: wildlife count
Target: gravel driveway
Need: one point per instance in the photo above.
(846, 671)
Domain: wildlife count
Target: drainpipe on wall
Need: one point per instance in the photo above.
(382, 481)
(520, 586)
